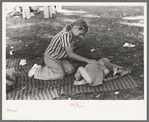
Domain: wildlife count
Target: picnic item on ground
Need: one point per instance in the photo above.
(10, 79)
(22, 62)
(92, 50)
(116, 72)
(11, 52)
(128, 45)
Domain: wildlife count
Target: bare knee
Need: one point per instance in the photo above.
(61, 75)
(80, 68)
(85, 75)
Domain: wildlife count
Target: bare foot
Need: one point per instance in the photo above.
(82, 82)
(76, 82)
(77, 76)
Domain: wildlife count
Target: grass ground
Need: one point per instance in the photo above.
(30, 38)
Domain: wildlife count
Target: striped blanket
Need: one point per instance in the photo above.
(32, 89)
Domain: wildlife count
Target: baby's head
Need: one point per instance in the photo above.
(105, 64)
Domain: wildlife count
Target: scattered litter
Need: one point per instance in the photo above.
(20, 41)
(135, 64)
(141, 75)
(92, 50)
(26, 45)
(128, 45)
(11, 53)
(135, 55)
(22, 62)
(98, 95)
(12, 47)
(69, 98)
(109, 29)
(116, 93)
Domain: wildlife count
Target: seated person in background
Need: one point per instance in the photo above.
(93, 73)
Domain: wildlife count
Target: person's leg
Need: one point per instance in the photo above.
(52, 71)
(82, 72)
(78, 75)
(81, 82)
(68, 68)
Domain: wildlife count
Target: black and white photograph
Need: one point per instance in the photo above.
(81, 55)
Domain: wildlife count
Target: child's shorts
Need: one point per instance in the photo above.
(95, 73)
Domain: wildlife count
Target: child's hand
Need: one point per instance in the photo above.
(106, 72)
(91, 61)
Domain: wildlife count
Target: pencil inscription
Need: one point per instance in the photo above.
(11, 110)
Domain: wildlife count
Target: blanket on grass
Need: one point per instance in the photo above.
(32, 89)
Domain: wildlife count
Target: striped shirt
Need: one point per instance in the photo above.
(56, 48)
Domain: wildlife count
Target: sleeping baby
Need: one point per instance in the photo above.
(93, 74)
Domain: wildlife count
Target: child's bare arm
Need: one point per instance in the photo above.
(73, 55)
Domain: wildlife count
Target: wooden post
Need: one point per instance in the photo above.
(26, 12)
(52, 10)
(46, 12)
(58, 7)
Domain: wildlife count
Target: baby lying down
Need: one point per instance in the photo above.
(93, 74)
